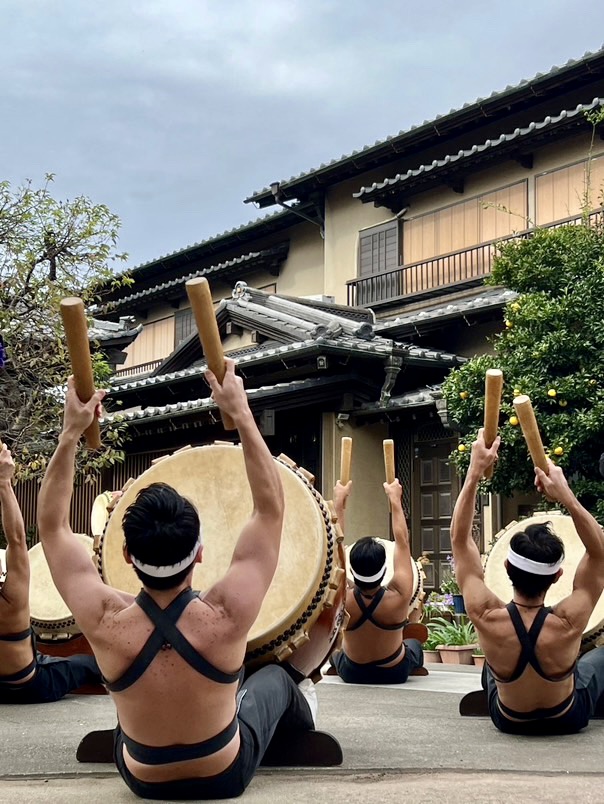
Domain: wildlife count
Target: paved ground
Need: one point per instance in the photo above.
(399, 741)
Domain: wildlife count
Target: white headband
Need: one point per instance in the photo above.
(534, 567)
(368, 578)
(169, 570)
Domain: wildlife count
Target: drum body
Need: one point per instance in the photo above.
(416, 595)
(50, 618)
(496, 577)
(304, 607)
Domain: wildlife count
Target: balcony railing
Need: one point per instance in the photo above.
(440, 273)
(142, 368)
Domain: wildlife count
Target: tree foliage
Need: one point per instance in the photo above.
(552, 349)
(49, 249)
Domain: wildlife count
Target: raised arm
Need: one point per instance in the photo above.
(16, 586)
(589, 576)
(72, 570)
(340, 498)
(241, 591)
(402, 579)
(468, 566)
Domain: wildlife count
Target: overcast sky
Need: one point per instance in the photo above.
(172, 111)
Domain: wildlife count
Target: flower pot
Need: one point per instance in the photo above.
(478, 659)
(458, 604)
(432, 656)
(457, 654)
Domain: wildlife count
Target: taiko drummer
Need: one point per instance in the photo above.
(173, 659)
(375, 647)
(535, 684)
(27, 676)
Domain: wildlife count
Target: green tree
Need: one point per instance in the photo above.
(552, 349)
(49, 249)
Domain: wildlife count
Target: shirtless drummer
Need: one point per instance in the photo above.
(534, 683)
(173, 660)
(27, 676)
(373, 648)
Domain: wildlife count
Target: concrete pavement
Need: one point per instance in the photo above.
(397, 741)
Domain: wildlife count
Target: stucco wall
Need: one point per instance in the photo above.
(367, 510)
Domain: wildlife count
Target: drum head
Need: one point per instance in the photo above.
(496, 577)
(389, 548)
(99, 513)
(214, 479)
(48, 611)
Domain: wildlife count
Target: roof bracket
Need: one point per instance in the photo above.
(456, 184)
(524, 160)
(317, 208)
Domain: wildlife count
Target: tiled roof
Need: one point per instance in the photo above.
(368, 193)
(236, 230)
(299, 329)
(276, 254)
(397, 141)
(113, 330)
(207, 403)
(412, 399)
(496, 297)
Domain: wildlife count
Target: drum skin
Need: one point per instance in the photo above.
(302, 604)
(496, 577)
(48, 611)
(416, 595)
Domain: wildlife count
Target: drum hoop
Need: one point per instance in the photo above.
(314, 608)
(65, 624)
(590, 636)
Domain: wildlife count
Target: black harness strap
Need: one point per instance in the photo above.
(29, 634)
(160, 755)
(528, 642)
(166, 632)
(367, 612)
(16, 637)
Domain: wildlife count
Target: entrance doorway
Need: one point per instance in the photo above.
(435, 489)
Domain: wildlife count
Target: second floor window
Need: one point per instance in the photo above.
(183, 325)
(379, 248)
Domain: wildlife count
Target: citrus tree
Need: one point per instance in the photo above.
(49, 249)
(551, 348)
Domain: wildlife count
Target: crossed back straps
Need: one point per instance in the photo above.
(167, 634)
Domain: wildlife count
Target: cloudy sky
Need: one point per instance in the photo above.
(172, 111)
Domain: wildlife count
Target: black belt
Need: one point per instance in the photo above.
(162, 755)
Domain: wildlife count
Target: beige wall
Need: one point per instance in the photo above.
(346, 216)
(155, 341)
(367, 509)
(302, 273)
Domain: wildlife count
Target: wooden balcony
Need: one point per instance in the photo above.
(438, 275)
(137, 371)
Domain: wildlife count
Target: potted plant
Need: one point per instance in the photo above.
(430, 648)
(456, 641)
(438, 605)
(478, 657)
(450, 586)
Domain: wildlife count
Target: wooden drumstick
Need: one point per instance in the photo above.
(389, 462)
(345, 460)
(198, 291)
(76, 333)
(493, 385)
(528, 422)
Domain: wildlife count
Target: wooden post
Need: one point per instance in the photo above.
(493, 384)
(76, 333)
(198, 291)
